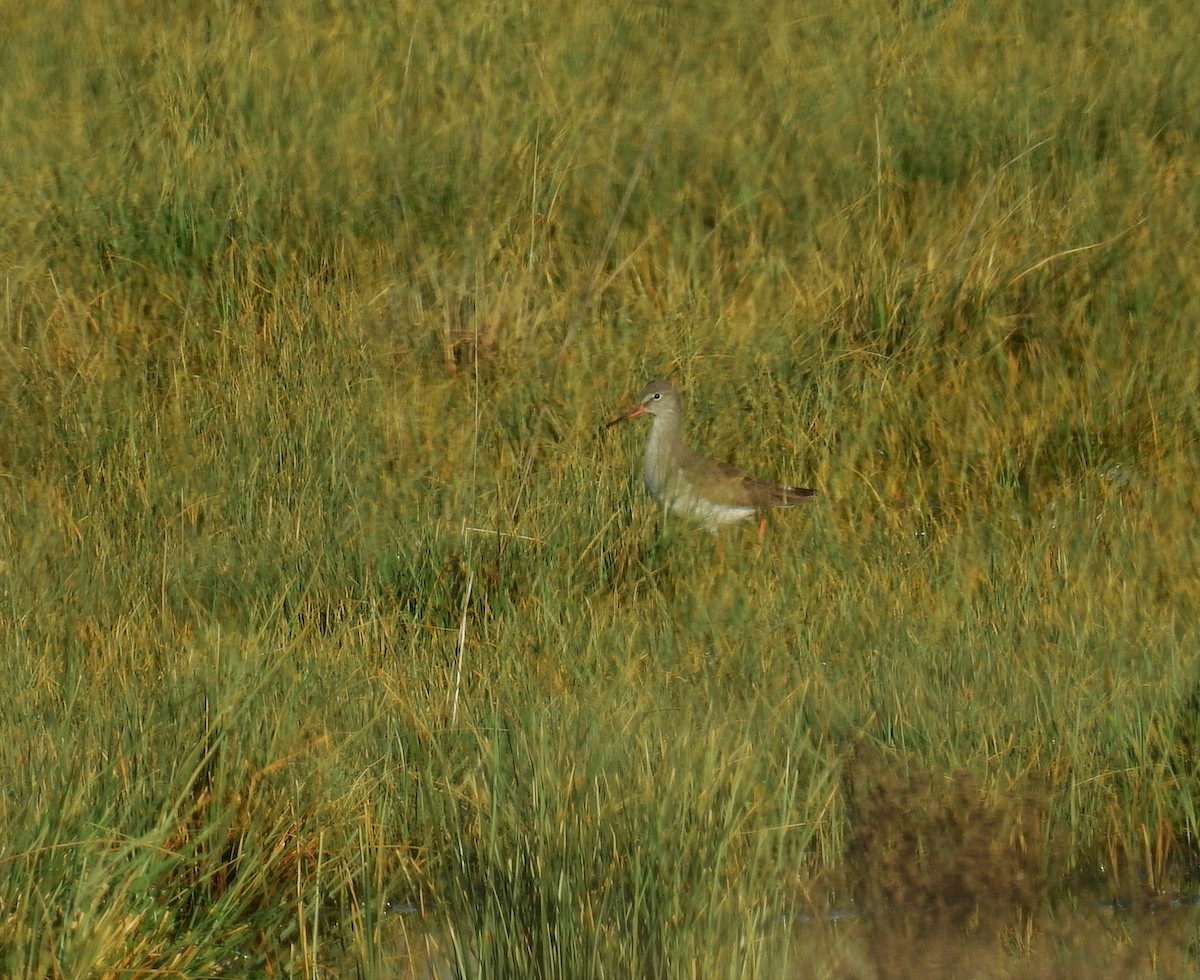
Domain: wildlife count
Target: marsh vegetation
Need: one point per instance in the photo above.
(335, 641)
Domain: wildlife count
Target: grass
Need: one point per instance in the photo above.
(321, 601)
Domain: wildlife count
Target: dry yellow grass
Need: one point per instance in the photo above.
(320, 597)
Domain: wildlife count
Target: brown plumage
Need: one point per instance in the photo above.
(692, 485)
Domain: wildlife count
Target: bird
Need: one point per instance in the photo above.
(694, 486)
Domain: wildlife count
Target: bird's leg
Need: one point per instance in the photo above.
(762, 530)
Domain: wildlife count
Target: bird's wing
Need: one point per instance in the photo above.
(729, 487)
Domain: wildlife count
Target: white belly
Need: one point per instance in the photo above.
(679, 498)
(708, 513)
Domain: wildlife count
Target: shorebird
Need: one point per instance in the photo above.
(695, 486)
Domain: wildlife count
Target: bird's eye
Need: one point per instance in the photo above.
(657, 395)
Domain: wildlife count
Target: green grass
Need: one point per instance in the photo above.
(321, 598)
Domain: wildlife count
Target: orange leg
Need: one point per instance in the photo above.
(762, 530)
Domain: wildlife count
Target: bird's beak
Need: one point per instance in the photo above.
(633, 413)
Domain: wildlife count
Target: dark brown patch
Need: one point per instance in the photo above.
(943, 870)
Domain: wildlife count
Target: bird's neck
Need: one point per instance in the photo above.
(663, 450)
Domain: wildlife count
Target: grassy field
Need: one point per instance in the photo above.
(322, 603)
